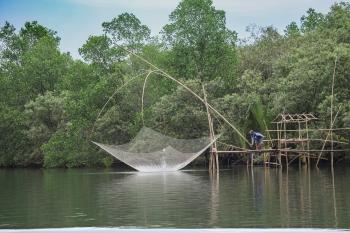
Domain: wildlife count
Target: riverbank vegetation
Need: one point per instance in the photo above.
(49, 101)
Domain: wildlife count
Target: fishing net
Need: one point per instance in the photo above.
(152, 151)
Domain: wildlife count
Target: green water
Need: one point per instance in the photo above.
(239, 197)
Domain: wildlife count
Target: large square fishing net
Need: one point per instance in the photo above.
(152, 151)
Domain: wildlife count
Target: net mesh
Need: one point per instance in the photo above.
(152, 151)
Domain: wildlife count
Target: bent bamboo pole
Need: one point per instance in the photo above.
(143, 94)
(166, 75)
(111, 97)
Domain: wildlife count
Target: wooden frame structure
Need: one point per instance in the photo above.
(293, 141)
(300, 139)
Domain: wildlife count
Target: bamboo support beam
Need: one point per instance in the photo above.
(296, 150)
(306, 140)
(296, 130)
(282, 155)
(274, 150)
(244, 151)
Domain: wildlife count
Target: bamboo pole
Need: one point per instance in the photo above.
(308, 144)
(280, 154)
(295, 130)
(301, 158)
(216, 154)
(310, 139)
(279, 146)
(267, 131)
(271, 145)
(296, 150)
(285, 141)
(276, 150)
(214, 149)
(324, 144)
(332, 99)
(213, 160)
(278, 141)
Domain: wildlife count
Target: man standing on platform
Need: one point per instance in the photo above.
(257, 139)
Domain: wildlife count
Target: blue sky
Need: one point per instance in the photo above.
(75, 20)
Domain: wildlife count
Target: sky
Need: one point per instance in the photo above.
(76, 20)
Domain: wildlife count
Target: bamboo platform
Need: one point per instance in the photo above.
(291, 144)
(273, 150)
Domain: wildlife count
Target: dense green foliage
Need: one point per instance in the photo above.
(49, 101)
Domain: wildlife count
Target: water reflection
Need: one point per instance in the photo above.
(334, 199)
(154, 199)
(239, 197)
(214, 203)
(305, 198)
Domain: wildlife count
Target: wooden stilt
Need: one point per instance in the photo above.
(215, 146)
(308, 143)
(278, 140)
(267, 155)
(280, 147)
(213, 160)
(285, 141)
(302, 157)
(332, 99)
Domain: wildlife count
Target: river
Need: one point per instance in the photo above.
(237, 198)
